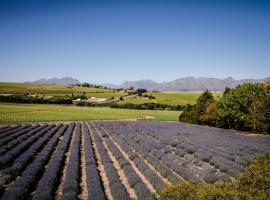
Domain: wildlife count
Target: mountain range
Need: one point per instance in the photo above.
(58, 81)
(187, 84)
(182, 84)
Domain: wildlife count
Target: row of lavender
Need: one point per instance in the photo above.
(33, 159)
(120, 159)
(44, 162)
(187, 152)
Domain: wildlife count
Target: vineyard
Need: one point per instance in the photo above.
(117, 159)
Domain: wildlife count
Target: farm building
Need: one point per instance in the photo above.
(95, 99)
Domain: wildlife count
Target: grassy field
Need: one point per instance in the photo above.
(55, 90)
(170, 98)
(179, 98)
(14, 113)
(176, 98)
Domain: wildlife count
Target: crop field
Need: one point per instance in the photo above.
(16, 113)
(117, 159)
(170, 98)
(180, 98)
(55, 90)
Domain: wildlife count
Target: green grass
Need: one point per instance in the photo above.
(177, 98)
(15, 113)
(55, 90)
(181, 98)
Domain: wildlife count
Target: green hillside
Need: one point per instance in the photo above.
(56, 90)
(170, 98)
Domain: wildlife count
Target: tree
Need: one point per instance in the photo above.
(86, 85)
(204, 112)
(259, 119)
(234, 107)
(267, 84)
(140, 91)
(203, 102)
(189, 107)
(211, 115)
(226, 91)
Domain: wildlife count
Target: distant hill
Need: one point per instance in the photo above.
(182, 84)
(58, 81)
(188, 84)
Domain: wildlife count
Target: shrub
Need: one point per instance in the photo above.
(180, 152)
(204, 155)
(188, 117)
(256, 178)
(210, 177)
(177, 191)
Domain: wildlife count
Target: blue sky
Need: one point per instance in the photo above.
(113, 41)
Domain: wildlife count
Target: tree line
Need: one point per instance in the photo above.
(35, 99)
(150, 106)
(245, 108)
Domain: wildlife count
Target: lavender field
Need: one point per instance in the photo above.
(117, 159)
